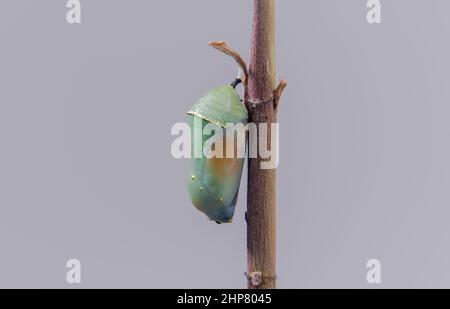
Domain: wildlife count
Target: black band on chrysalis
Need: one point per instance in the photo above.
(236, 82)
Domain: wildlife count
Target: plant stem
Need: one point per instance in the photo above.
(261, 104)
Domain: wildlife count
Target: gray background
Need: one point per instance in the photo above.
(85, 164)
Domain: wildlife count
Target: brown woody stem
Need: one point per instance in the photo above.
(261, 197)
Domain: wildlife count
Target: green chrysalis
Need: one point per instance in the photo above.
(213, 183)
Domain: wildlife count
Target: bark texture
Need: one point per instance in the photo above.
(261, 104)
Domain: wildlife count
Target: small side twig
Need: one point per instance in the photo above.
(223, 47)
(278, 92)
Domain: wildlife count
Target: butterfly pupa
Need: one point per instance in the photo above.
(213, 183)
